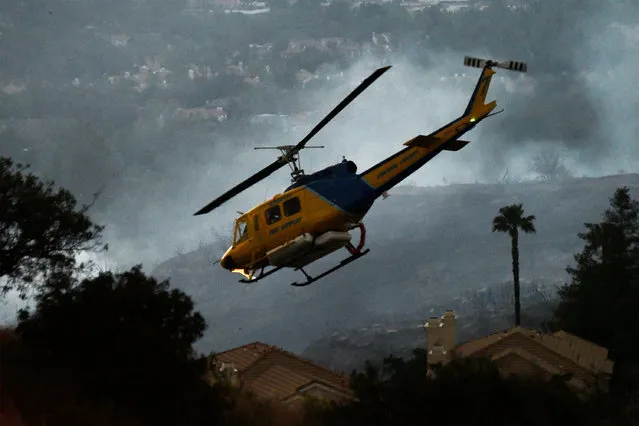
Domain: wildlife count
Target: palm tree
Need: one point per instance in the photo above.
(510, 220)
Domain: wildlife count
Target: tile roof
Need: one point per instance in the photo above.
(277, 382)
(272, 372)
(245, 355)
(577, 352)
(544, 350)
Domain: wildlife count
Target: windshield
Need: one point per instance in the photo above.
(241, 230)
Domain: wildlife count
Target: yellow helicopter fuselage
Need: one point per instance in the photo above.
(337, 198)
(314, 216)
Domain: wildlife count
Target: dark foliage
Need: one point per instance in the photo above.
(124, 338)
(41, 228)
(464, 392)
(601, 302)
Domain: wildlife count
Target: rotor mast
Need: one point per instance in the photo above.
(292, 157)
(290, 152)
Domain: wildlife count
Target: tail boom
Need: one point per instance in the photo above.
(397, 167)
(422, 149)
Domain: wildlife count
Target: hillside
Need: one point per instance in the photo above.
(429, 246)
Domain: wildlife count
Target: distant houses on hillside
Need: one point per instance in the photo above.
(200, 114)
(256, 7)
(194, 7)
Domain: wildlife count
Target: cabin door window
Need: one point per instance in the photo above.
(273, 215)
(292, 206)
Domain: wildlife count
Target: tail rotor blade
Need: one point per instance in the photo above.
(514, 66)
(474, 62)
(470, 61)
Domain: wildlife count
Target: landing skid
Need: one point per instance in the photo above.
(356, 253)
(310, 280)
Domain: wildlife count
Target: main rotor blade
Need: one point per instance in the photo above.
(241, 187)
(282, 161)
(347, 100)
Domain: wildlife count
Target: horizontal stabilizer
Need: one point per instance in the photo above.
(455, 145)
(423, 141)
(428, 141)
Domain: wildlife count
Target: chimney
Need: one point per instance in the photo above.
(440, 337)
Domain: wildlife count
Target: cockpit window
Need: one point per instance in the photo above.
(241, 230)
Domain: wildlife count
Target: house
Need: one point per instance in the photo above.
(120, 39)
(226, 4)
(238, 69)
(304, 76)
(13, 88)
(216, 113)
(452, 5)
(248, 11)
(272, 373)
(261, 49)
(282, 122)
(520, 351)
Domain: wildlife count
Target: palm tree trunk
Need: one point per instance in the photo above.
(515, 255)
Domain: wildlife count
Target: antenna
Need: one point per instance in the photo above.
(295, 163)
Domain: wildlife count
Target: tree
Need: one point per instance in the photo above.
(41, 228)
(510, 220)
(550, 167)
(601, 302)
(127, 339)
(400, 393)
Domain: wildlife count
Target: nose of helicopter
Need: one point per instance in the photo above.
(227, 262)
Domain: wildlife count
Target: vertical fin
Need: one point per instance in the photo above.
(478, 99)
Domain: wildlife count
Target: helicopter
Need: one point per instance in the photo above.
(315, 215)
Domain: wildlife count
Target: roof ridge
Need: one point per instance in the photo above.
(267, 349)
(272, 348)
(575, 355)
(246, 345)
(533, 336)
(483, 342)
(308, 361)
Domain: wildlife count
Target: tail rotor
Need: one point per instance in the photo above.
(507, 65)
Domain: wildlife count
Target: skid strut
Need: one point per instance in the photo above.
(356, 253)
(310, 279)
(262, 275)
